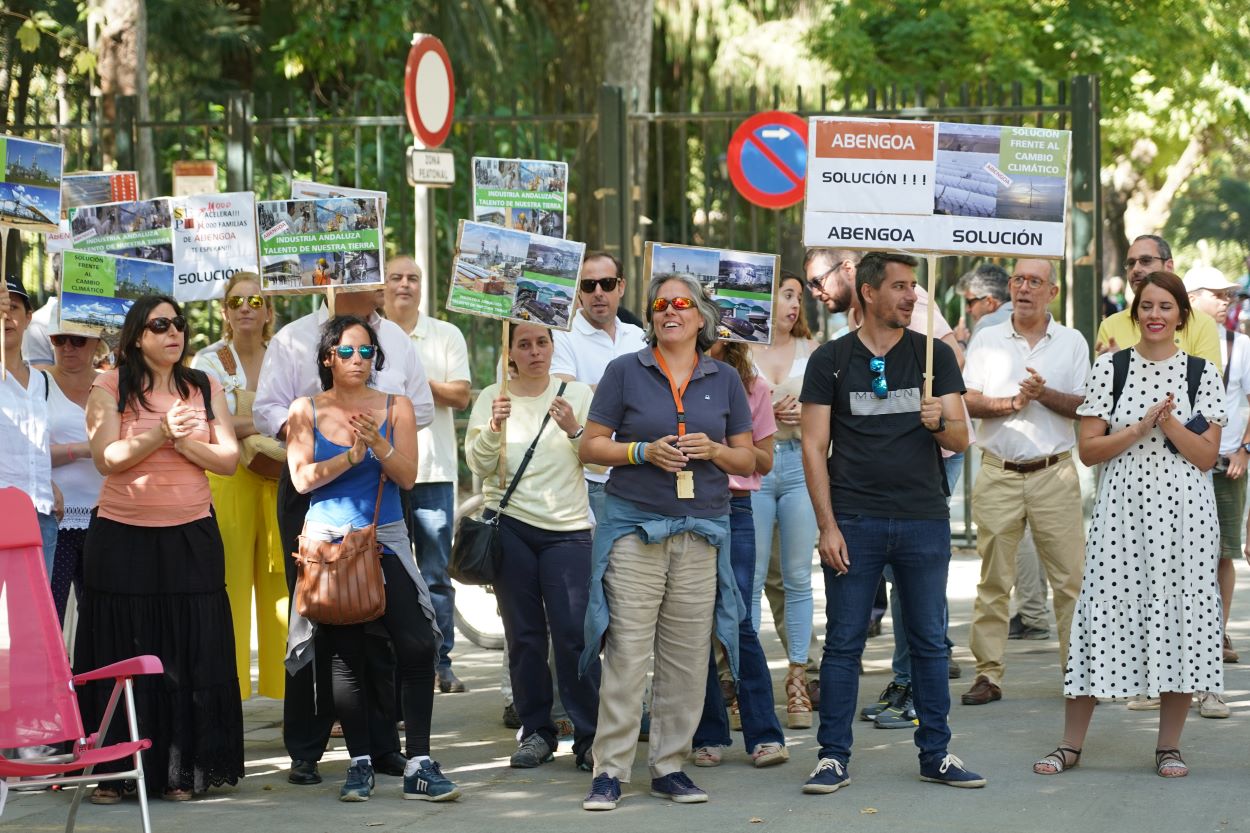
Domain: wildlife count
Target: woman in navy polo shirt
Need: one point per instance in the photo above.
(674, 424)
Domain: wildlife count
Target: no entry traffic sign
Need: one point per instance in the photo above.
(429, 90)
(768, 159)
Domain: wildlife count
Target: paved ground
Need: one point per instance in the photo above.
(1115, 789)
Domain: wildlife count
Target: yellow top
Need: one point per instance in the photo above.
(1200, 337)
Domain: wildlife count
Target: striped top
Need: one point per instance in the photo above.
(165, 488)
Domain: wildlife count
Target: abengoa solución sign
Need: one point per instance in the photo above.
(936, 187)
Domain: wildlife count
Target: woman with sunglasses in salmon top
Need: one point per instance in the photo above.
(153, 565)
(673, 424)
(248, 497)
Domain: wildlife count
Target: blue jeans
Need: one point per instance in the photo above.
(783, 500)
(901, 663)
(919, 552)
(433, 511)
(755, 688)
(47, 531)
(595, 491)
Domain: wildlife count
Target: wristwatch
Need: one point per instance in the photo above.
(1245, 447)
(941, 426)
(580, 430)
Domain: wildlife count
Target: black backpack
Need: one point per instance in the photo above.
(1194, 366)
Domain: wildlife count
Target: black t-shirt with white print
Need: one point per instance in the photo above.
(885, 463)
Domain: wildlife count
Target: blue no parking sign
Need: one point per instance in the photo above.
(768, 159)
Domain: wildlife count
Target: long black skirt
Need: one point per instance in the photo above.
(162, 591)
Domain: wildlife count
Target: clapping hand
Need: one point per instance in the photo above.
(365, 430)
(665, 455)
(787, 410)
(698, 446)
(179, 421)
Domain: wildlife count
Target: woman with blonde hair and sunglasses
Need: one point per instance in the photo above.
(247, 500)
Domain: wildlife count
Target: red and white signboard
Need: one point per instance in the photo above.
(429, 90)
(937, 187)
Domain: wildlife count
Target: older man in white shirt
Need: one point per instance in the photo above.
(1025, 379)
(445, 357)
(289, 372)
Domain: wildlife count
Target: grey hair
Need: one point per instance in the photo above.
(710, 312)
(989, 280)
(1165, 251)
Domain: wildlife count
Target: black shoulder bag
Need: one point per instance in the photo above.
(475, 551)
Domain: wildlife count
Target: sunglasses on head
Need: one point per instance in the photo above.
(162, 324)
(880, 388)
(73, 341)
(346, 351)
(661, 304)
(253, 301)
(606, 284)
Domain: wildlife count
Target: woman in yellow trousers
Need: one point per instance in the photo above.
(246, 502)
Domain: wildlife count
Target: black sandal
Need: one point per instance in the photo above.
(1058, 761)
(1170, 764)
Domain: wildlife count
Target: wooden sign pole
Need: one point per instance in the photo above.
(330, 300)
(928, 332)
(503, 423)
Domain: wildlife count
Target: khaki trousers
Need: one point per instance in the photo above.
(661, 597)
(1002, 501)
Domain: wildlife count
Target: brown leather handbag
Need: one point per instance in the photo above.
(259, 454)
(341, 583)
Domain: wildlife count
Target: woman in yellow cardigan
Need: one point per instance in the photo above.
(246, 501)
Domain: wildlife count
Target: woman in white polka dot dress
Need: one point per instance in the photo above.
(1148, 618)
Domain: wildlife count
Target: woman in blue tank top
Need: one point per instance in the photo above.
(338, 445)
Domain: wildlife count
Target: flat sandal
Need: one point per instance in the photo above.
(1058, 760)
(1170, 764)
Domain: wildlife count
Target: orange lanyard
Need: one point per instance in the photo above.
(677, 392)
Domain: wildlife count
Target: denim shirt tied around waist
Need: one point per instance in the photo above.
(622, 517)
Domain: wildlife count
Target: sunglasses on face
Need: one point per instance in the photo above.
(606, 284)
(346, 351)
(253, 301)
(678, 303)
(162, 324)
(73, 341)
(880, 388)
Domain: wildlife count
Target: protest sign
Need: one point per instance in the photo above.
(30, 184)
(142, 229)
(195, 177)
(515, 275)
(97, 187)
(936, 187)
(739, 283)
(97, 290)
(308, 245)
(214, 237)
(303, 189)
(523, 194)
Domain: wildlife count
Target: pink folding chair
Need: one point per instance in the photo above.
(37, 702)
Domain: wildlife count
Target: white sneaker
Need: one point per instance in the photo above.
(1144, 704)
(1212, 705)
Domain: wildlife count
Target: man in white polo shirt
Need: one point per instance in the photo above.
(597, 337)
(1025, 379)
(445, 357)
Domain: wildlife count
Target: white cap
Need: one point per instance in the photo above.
(1207, 277)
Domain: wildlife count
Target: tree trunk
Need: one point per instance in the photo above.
(625, 33)
(6, 67)
(122, 69)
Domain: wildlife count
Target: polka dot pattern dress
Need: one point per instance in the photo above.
(1148, 617)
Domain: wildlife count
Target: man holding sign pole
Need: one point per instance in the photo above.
(880, 499)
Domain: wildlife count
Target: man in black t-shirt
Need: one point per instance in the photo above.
(880, 499)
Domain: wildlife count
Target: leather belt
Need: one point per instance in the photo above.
(1026, 466)
(739, 493)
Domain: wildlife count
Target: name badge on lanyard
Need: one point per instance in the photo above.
(685, 478)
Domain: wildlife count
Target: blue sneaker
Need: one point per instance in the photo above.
(605, 791)
(829, 776)
(677, 787)
(429, 783)
(950, 770)
(359, 783)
